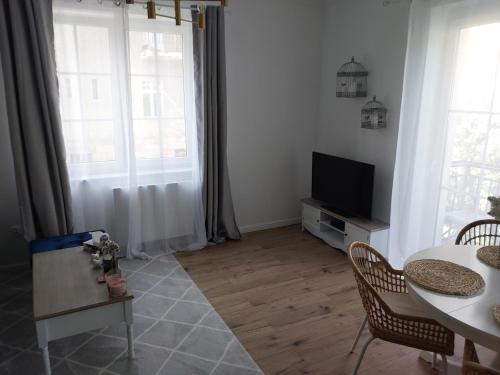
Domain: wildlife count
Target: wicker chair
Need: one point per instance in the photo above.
(471, 364)
(392, 315)
(482, 232)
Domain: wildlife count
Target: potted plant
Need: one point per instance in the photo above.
(495, 207)
(109, 253)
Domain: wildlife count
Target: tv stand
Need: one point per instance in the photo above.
(343, 213)
(339, 231)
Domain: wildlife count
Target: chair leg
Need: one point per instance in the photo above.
(358, 335)
(434, 360)
(362, 354)
(445, 364)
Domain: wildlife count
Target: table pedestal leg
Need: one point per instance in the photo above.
(451, 366)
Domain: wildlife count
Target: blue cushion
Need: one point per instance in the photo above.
(60, 242)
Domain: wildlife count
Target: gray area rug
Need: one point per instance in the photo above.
(177, 331)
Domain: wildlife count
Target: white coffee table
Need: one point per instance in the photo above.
(67, 300)
(470, 317)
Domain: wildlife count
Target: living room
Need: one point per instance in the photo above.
(242, 169)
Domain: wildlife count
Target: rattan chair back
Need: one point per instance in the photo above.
(482, 232)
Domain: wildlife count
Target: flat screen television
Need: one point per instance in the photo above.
(343, 186)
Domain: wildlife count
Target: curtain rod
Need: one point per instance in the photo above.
(159, 3)
(152, 8)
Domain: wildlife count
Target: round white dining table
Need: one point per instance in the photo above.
(470, 317)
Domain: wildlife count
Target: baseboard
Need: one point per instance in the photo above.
(269, 225)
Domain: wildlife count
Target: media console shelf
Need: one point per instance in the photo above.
(339, 231)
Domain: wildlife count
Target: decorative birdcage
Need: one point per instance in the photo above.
(374, 115)
(352, 80)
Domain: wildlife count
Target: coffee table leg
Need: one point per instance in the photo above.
(46, 360)
(129, 319)
(130, 337)
(43, 344)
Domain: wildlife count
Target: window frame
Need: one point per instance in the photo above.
(111, 20)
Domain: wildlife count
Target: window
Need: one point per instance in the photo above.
(158, 94)
(66, 91)
(95, 89)
(472, 171)
(101, 102)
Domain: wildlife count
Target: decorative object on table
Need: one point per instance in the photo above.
(89, 248)
(93, 244)
(444, 277)
(117, 285)
(490, 255)
(103, 238)
(374, 115)
(495, 207)
(496, 313)
(109, 253)
(96, 260)
(105, 254)
(352, 80)
(106, 265)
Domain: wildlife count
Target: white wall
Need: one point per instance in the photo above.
(273, 72)
(13, 248)
(376, 36)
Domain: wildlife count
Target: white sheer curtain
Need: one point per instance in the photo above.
(127, 104)
(451, 98)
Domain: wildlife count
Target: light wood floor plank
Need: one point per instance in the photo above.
(293, 303)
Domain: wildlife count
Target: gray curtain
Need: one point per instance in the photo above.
(29, 69)
(211, 104)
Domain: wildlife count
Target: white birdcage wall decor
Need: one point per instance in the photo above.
(374, 115)
(352, 80)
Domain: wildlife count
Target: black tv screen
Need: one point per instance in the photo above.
(343, 186)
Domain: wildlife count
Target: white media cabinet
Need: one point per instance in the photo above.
(339, 231)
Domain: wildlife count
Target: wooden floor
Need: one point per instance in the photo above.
(293, 303)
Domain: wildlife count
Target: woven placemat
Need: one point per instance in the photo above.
(490, 255)
(444, 277)
(496, 313)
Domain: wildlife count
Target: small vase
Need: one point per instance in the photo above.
(107, 265)
(114, 264)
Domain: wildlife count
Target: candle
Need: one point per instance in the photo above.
(117, 286)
